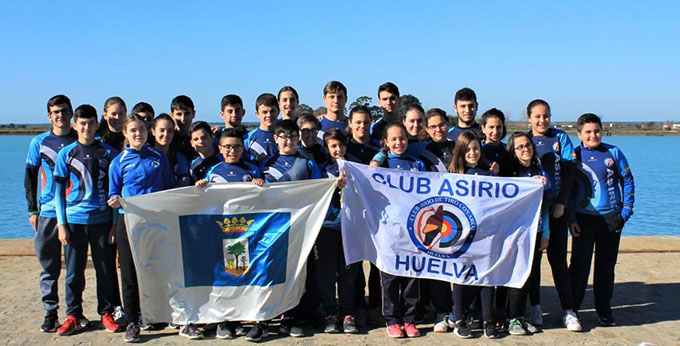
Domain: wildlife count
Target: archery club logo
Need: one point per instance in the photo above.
(442, 227)
(609, 162)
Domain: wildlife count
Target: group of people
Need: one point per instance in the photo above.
(77, 172)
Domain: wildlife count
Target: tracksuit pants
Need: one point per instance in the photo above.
(400, 295)
(517, 297)
(331, 269)
(128, 275)
(48, 251)
(557, 257)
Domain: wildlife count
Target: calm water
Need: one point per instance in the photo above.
(657, 204)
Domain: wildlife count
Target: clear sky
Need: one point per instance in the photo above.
(618, 59)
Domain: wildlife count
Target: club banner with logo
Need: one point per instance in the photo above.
(230, 251)
(466, 229)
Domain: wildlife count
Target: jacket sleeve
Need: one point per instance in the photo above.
(626, 178)
(33, 162)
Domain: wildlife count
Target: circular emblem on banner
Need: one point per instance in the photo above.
(442, 227)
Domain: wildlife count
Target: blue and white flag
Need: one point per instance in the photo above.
(465, 229)
(225, 252)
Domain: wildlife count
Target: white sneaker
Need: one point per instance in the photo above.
(444, 326)
(571, 321)
(534, 314)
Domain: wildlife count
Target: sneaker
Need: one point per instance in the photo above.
(411, 330)
(394, 331)
(257, 332)
(530, 327)
(349, 326)
(109, 323)
(239, 330)
(191, 332)
(605, 320)
(443, 326)
(462, 330)
(534, 314)
(490, 330)
(474, 324)
(70, 326)
(571, 321)
(288, 327)
(174, 326)
(224, 331)
(132, 332)
(516, 327)
(119, 316)
(50, 322)
(331, 325)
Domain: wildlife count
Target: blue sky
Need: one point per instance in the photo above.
(616, 59)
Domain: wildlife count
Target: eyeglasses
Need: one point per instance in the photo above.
(308, 131)
(523, 147)
(287, 137)
(228, 147)
(440, 126)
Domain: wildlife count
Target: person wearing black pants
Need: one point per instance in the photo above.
(400, 296)
(128, 275)
(517, 297)
(463, 296)
(557, 257)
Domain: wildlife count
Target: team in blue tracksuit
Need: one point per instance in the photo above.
(327, 124)
(400, 294)
(134, 173)
(259, 145)
(289, 168)
(455, 131)
(603, 200)
(556, 153)
(200, 165)
(81, 176)
(233, 172)
(39, 184)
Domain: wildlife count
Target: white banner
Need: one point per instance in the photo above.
(466, 229)
(230, 251)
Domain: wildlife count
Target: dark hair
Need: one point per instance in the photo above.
(458, 157)
(59, 100)
(85, 112)
(162, 116)
(465, 94)
(435, 112)
(182, 102)
(537, 102)
(232, 133)
(334, 87)
(510, 147)
(230, 100)
(588, 118)
(288, 88)
(415, 106)
(308, 118)
(200, 125)
(266, 99)
(389, 87)
(287, 126)
(104, 131)
(112, 101)
(357, 109)
(336, 134)
(494, 113)
(143, 107)
(383, 139)
(131, 119)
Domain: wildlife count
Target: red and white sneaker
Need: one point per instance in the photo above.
(109, 323)
(70, 326)
(411, 330)
(394, 331)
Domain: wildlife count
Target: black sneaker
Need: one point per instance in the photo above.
(490, 330)
(256, 333)
(132, 332)
(191, 332)
(605, 320)
(331, 324)
(50, 322)
(462, 330)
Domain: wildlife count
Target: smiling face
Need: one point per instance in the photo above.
(493, 129)
(288, 103)
(60, 116)
(163, 132)
(437, 128)
(396, 140)
(232, 115)
(590, 135)
(388, 101)
(336, 148)
(335, 102)
(466, 110)
(539, 118)
(360, 125)
(135, 133)
(524, 151)
(231, 149)
(115, 115)
(287, 142)
(267, 116)
(86, 129)
(472, 154)
(413, 121)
